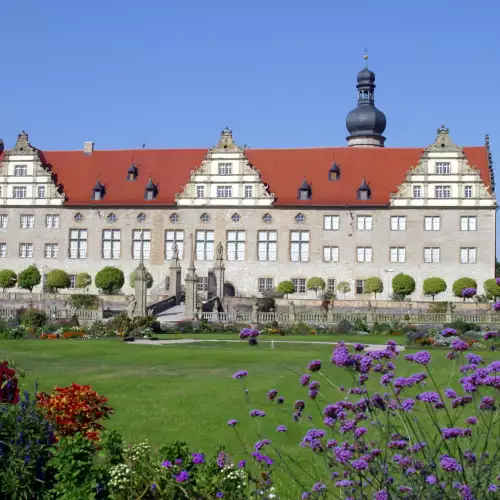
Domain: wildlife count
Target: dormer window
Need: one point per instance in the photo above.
(305, 191)
(151, 191)
(334, 172)
(364, 191)
(132, 173)
(98, 191)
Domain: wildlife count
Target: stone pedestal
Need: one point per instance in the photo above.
(174, 272)
(190, 287)
(218, 270)
(140, 290)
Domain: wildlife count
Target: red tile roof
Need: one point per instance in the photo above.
(282, 169)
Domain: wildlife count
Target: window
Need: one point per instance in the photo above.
(41, 191)
(51, 250)
(398, 254)
(299, 246)
(21, 170)
(224, 191)
(299, 285)
(25, 250)
(111, 244)
(204, 218)
(398, 223)
(443, 191)
(141, 217)
(167, 283)
(304, 194)
(299, 218)
(78, 244)
(267, 218)
(236, 245)
(204, 245)
(432, 255)
(331, 254)
(4, 221)
(442, 168)
(417, 192)
(468, 192)
(174, 237)
(27, 221)
(364, 254)
(468, 223)
(236, 217)
(266, 284)
(267, 245)
(141, 238)
(202, 284)
(432, 223)
(200, 191)
(3, 250)
(225, 168)
(248, 192)
(72, 281)
(111, 217)
(331, 222)
(174, 218)
(365, 222)
(52, 221)
(360, 287)
(19, 192)
(78, 217)
(468, 255)
(330, 285)
(150, 194)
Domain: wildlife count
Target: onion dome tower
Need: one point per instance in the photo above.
(366, 123)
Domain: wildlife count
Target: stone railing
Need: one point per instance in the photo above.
(83, 315)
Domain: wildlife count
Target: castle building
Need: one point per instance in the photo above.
(341, 213)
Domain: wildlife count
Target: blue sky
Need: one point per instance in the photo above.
(279, 73)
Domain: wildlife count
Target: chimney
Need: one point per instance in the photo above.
(88, 148)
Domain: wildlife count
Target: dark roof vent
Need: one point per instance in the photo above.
(99, 191)
(364, 191)
(132, 172)
(334, 172)
(305, 191)
(151, 191)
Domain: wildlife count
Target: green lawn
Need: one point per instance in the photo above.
(186, 391)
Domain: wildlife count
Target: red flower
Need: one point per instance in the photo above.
(9, 391)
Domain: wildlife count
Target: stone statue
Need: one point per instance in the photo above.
(219, 251)
(255, 307)
(215, 308)
(132, 304)
(175, 252)
(292, 307)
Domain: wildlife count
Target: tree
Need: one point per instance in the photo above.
(285, 288)
(374, 285)
(461, 284)
(343, 287)
(149, 279)
(434, 286)
(83, 280)
(403, 285)
(491, 289)
(29, 278)
(57, 279)
(109, 279)
(316, 283)
(8, 279)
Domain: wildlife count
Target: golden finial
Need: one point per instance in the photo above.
(365, 57)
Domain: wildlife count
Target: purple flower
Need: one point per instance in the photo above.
(344, 483)
(271, 395)
(450, 393)
(342, 455)
(422, 358)
(474, 358)
(487, 403)
(381, 495)
(408, 404)
(198, 458)
(449, 332)
(222, 459)
(153, 486)
(182, 477)
(314, 385)
(492, 488)
(461, 401)
(240, 374)
(314, 366)
(359, 347)
(431, 479)
(429, 397)
(166, 463)
(386, 379)
(468, 292)
(449, 464)
(260, 444)
(178, 461)
(281, 428)
(496, 306)
(306, 495)
(280, 400)
(459, 345)
(454, 432)
(491, 335)
(359, 464)
(313, 393)
(360, 431)
(219, 494)
(304, 380)
(319, 487)
(472, 420)
(341, 356)
(241, 464)
(232, 422)
(257, 413)
(299, 405)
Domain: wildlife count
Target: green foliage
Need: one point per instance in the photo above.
(109, 279)
(84, 301)
(149, 279)
(343, 326)
(33, 318)
(12, 333)
(439, 307)
(462, 326)
(359, 325)
(29, 278)
(492, 290)
(8, 279)
(285, 288)
(328, 295)
(83, 280)
(403, 285)
(434, 286)
(497, 269)
(57, 279)
(343, 287)
(316, 283)
(374, 285)
(112, 446)
(120, 323)
(462, 283)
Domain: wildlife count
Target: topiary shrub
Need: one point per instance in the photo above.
(110, 280)
(83, 280)
(343, 287)
(492, 290)
(434, 286)
(403, 285)
(57, 279)
(461, 284)
(374, 285)
(29, 278)
(149, 279)
(285, 288)
(8, 279)
(316, 283)
(84, 301)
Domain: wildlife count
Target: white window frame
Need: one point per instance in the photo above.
(51, 251)
(331, 254)
(52, 221)
(136, 244)
(330, 284)
(364, 254)
(468, 223)
(235, 244)
(443, 168)
(20, 170)
(225, 168)
(3, 250)
(468, 255)
(432, 255)
(40, 191)
(417, 192)
(267, 245)
(299, 246)
(174, 236)
(265, 284)
(111, 244)
(224, 191)
(359, 284)
(432, 223)
(19, 192)
(248, 191)
(364, 223)
(442, 192)
(331, 222)
(78, 243)
(27, 221)
(200, 191)
(204, 244)
(299, 285)
(4, 221)
(397, 254)
(398, 223)
(26, 250)
(468, 192)
(202, 284)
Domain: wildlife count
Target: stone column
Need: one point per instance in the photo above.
(175, 275)
(219, 269)
(190, 286)
(140, 289)
(449, 317)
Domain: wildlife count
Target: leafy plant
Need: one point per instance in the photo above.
(8, 279)
(344, 288)
(316, 283)
(149, 279)
(461, 284)
(374, 285)
(109, 279)
(33, 318)
(84, 301)
(29, 278)
(57, 279)
(492, 290)
(83, 280)
(438, 307)
(434, 286)
(285, 288)
(403, 285)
